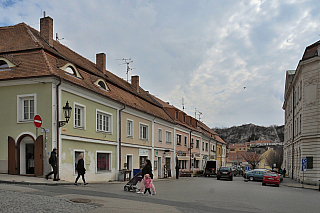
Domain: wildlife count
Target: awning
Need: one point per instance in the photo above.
(183, 158)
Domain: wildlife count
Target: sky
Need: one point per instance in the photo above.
(223, 60)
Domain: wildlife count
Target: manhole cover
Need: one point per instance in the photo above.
(80, 200)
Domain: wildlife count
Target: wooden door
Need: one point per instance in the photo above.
(38, 156)
(11, 156)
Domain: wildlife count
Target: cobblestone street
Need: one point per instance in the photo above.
(25, 202)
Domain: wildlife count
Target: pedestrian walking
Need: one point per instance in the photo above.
(54, 164)
(80, 169)
(284, 172)
(147, 169)
(147, 184)
(177, 170)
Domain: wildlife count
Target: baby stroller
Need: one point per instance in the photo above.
(132, 184)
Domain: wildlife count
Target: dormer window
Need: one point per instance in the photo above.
(71, 70)
(5, 64)
(102, 84)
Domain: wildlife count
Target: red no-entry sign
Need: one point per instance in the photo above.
(37, 121)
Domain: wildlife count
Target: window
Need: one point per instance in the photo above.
(143, 132)
(178, 139)
(101, 84)
(310, 162)
(202, 146)
(184, 119)
(104, 121)
(70, 69)
(129, 128)
(207, 146)
(183, 164)
(231, 150)
(219, 151)
(176, 114)
(3, 65)
(79, 116)
(168, 137)
(26, 107)
(185, 140)
(103, 161)
(197, 144)
(160, 135)
(196, 163)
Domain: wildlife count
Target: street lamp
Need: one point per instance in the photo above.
(67, 113)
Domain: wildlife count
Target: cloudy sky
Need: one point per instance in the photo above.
(204, 52)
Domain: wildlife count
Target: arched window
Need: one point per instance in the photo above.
(101, 84)
(70, 70)
(3, 64)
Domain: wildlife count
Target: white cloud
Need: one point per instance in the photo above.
(203, 51)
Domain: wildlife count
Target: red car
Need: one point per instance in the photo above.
(271, 178)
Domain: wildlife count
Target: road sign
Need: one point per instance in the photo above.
(304, 164)
(37, 121)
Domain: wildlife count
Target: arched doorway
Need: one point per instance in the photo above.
(27, 155)
(21, 153)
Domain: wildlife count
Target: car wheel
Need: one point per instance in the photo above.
(218, 178)
(251, 178)
(277, 185)
(231, 178)
(263, 184)
(125, 188)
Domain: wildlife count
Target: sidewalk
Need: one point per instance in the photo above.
(29, 180)
(292, 183)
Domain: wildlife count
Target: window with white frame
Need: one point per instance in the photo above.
(129, 128)
(79, 116)
(160, 135)
(206, 147)
(144, 131)
(168, 137)
(104, 121)
(26, 107)
(178, 139)
(103, 161)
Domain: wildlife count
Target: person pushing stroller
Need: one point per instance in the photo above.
(147, 169)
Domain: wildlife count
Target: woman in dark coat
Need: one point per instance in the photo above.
(81, 170)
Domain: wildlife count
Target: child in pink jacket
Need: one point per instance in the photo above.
(147, 184)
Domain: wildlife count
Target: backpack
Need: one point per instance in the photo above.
(50, 160)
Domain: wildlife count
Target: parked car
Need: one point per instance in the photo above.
(255, 175)
(225, 172)
(280, 175)
(271, 178)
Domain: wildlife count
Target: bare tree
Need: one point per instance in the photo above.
(252, 158)
(275, 156)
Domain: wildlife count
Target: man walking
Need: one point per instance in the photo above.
(54, 163)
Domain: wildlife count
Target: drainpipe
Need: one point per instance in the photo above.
(57, 123)
(152, 143)
(119, 131)
(292, 133)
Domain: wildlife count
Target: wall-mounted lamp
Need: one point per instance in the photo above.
(67, 113)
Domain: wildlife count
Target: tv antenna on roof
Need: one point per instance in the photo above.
(127, 61)
(57, 37)
(183, 103)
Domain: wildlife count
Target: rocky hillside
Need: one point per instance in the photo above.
(250, 132)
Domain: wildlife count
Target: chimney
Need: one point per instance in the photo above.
(101, 62)
(46, 29)
(135, 82)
